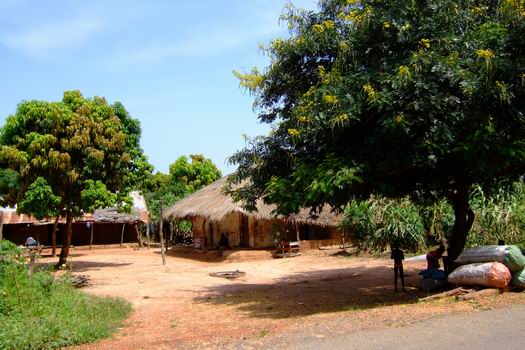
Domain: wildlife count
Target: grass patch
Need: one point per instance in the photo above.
(39, 312)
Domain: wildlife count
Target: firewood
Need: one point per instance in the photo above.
(479, 294)
(448, 293)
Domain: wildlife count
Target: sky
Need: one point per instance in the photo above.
(169, 62)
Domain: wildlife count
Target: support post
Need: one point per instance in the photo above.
(91, 235)
(147, 236)
(161, 235)
(54, 237)
(122, 235)
(139, 236)
(1, 225)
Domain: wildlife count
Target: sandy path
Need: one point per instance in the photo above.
(180, 306)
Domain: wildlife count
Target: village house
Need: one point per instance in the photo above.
(213, 213)
(104, 226)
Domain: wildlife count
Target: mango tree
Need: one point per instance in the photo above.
(70, 157)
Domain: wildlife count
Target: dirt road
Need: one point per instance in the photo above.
(494, 329)
(180, 306)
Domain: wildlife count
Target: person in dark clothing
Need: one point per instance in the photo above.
(398, 257)
(223, 242)
(433, 258)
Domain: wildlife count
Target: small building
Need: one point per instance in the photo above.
(213, 213)
(104, 226)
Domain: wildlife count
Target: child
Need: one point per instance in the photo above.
(398, 256)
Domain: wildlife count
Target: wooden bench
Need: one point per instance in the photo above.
(287, 249)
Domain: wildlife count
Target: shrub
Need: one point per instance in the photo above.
(40, 312)
(500, 215)
(378, 223)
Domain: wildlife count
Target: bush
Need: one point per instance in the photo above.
(378, 223)
(500, 215)
(39, 312)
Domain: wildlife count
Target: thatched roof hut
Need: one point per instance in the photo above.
(210, 202)
(212, 212)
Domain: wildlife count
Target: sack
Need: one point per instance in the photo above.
(518, 278)
(510, 255)
(493, 274)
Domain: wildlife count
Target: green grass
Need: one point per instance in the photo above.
(38, 312)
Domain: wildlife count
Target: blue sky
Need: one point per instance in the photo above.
(169, 62)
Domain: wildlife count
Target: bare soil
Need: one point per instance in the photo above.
(180, 305)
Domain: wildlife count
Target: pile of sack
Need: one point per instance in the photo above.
(495, 266)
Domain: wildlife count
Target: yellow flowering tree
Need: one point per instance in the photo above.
(395, 98)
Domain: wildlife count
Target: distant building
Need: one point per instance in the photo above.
(108, 226)
(212, 213)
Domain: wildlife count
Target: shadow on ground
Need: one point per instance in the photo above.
(84, 266)
(316, 292)
(217, 256)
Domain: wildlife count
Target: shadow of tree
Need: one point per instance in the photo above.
(211, 256)
(83, 266)
(308, 293)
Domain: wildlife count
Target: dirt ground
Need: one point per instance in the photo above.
(180, 305)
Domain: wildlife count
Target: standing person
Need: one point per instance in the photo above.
(398, 257)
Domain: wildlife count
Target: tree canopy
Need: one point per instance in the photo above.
(184, 178)
(419, 98)
(71, 156)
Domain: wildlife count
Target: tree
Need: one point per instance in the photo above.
(200, 172)
(184, 178)
(394, 98)
(71, 156)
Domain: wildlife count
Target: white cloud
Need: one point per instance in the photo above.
(196, 44)
(41, 41)
(206, 38)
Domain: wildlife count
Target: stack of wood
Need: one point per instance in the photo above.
(461, 293)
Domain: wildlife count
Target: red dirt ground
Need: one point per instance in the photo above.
(180, 306)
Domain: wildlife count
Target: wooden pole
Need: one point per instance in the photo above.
(147, 235)
(54, 237)
(1, 225)
(122, 235)
(171, 235)
(139, 236)
(161, 234)
(91, 236)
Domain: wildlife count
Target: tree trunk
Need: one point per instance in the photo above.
(464, 218)
(64, 253)
(54, 237)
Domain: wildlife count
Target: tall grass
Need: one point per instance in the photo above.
(498, 216)
(378, 223)
(39, 312)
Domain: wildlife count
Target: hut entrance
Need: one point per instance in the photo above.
(245, 232)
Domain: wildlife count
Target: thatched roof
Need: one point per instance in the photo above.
(211, 203)
(139, 212)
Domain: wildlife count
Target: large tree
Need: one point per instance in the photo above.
(70, 157)
(412, 97)
(184, 178)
